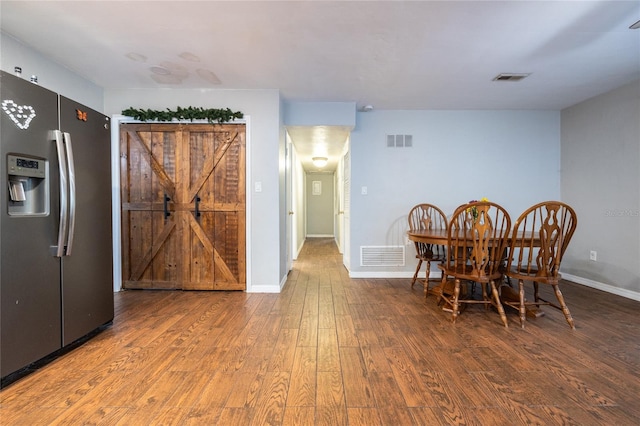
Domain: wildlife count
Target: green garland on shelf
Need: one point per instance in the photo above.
(190, 113)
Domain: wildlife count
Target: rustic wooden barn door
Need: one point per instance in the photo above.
(214, 195)
(148, 174)
(183, 206)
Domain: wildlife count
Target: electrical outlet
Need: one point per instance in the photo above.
(593, 255)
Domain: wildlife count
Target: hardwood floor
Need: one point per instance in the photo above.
(334, 350)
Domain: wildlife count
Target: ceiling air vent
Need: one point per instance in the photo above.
(510, 77)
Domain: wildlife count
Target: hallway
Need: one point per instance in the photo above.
(331, 350)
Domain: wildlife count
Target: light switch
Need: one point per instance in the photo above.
(364, 190)
(258, 186)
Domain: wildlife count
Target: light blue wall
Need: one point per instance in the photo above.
(510, 157)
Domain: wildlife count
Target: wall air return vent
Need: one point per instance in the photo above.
(510, 77)
(399, 141)
(381, 255)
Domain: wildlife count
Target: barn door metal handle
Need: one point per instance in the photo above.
(197, 206)
(165, 206)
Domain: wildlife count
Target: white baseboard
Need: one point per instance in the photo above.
(387, 274)
(265, 289)
(602, 286)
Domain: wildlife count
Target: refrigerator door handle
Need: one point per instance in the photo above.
(62, 166)
(72, 193)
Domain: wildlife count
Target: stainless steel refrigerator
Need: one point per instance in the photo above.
(56, 283)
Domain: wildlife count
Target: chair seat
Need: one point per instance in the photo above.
(532, 275)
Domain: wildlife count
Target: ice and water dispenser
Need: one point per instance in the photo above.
(28, 193)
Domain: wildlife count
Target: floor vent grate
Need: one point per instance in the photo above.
(381, 255)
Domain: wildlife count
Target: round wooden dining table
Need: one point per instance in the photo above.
(429, 236)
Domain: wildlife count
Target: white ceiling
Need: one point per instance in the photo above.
(390, 54)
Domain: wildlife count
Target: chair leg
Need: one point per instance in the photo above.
(536, 293)
(522, 308)
(565, 309)
(456, 294)
(443, 281)
(496, 298)
(415, 276)
(426, 280)
(485, 294)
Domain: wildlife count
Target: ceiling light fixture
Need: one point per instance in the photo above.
(320, 162)
(635, 26)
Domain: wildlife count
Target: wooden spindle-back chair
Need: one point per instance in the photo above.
(476, 243)
(549, 227)
(427, 216)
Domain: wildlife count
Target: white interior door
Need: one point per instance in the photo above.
(288, 177)
(346, 200)
(339, 207)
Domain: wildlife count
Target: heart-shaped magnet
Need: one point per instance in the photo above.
(20, 114)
